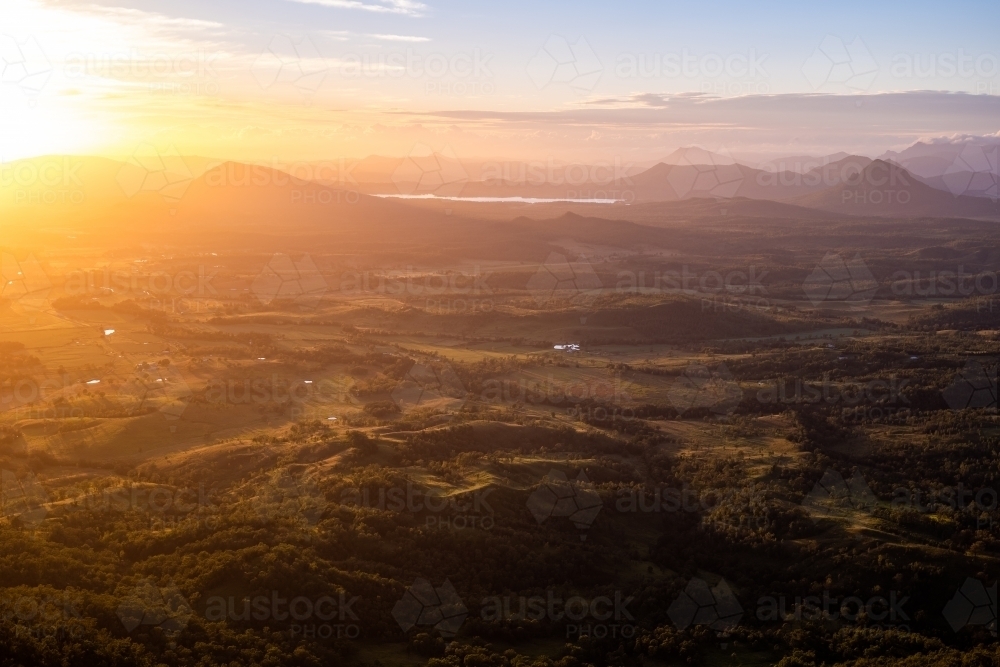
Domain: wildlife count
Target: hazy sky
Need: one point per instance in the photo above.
(294, 79)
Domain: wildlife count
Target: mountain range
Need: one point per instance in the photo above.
(170, 193)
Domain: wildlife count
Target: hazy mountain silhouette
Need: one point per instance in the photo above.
(800, 163)
(929, 159)
(889, 190)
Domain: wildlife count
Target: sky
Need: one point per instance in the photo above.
(271, 80)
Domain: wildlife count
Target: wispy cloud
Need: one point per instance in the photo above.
(401, 38)
(643, 99)
(757, 126)
(149, 19)
(407, 7)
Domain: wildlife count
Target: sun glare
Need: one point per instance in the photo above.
(427, 333)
